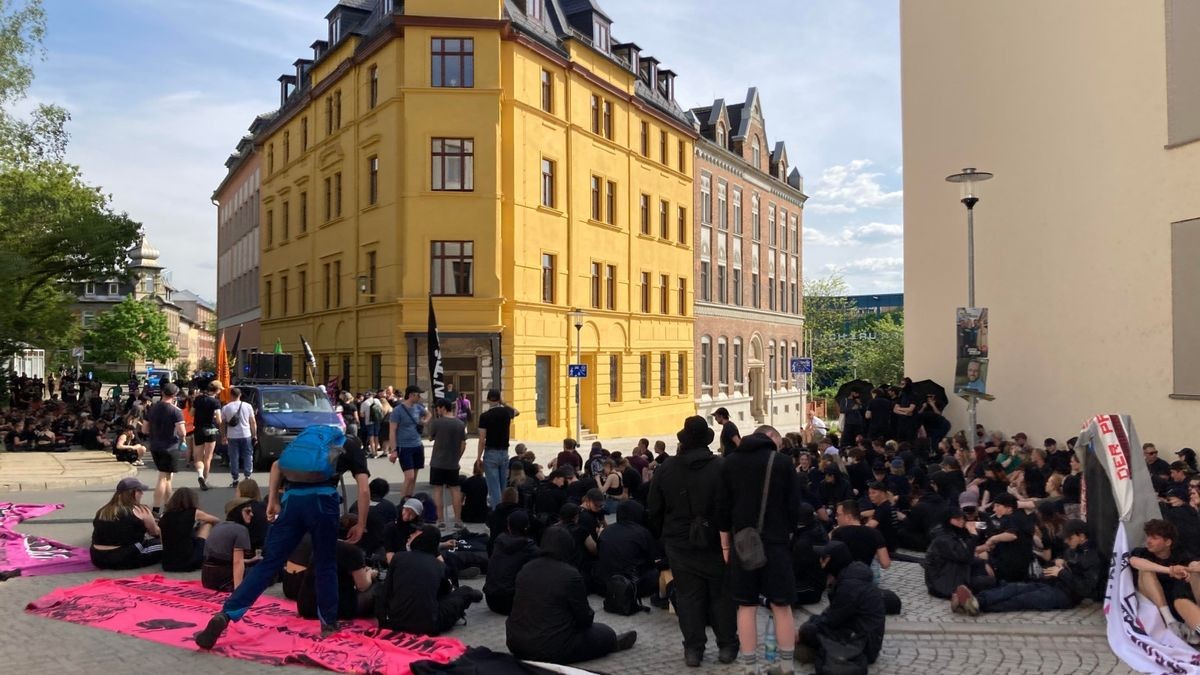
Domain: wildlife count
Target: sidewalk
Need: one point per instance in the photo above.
(23, 471)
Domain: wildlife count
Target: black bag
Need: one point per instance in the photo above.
(235, 420)
(841, 658)
(747, 542)
(621, 596)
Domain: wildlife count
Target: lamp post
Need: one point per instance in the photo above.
(968, 182)
(577, 320)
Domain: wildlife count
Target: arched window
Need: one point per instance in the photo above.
(706, 365)
(771, 363)
(721, 134)
(739, 366)
(755, 153)
(723, 364)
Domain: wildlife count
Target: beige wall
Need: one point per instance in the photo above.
(1066, 103)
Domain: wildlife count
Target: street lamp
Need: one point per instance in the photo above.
(969, 182)
(577, 319)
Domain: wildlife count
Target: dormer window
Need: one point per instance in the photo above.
(601, 37)
(388, 6)
(756, 153)
(721, 134)
(335, 29)
(536, 10)
(89, 289)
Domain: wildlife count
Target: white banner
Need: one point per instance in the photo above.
(1117, 457)
(1136, 631)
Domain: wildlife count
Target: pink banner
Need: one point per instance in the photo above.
(171, 612)
(36, 556)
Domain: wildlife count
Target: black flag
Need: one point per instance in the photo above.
(437, 382)
(234, 366)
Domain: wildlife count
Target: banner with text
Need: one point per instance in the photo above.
(36, 556)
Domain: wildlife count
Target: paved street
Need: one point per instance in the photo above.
(925, 637)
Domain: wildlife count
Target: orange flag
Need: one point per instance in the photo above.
(223, 368)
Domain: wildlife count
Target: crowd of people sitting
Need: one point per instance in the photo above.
(780, 520)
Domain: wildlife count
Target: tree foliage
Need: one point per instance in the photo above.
(881, 358)
(827, 313)
(56, 231)
(129, 332)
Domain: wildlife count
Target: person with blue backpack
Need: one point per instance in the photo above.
(303, 499)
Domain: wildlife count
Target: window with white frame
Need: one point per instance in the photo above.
(706, 365)
(723, 364)
(739, 366)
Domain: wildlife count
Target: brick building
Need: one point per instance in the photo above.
(747, 220)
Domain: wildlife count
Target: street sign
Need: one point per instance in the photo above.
(77, 353)
(802, 365)
(577, 370)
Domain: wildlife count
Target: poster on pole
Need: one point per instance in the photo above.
(971, 365)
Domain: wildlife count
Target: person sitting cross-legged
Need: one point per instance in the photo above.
(416, 597)
(1163, 576)
(512, 551)
(627, 548)
(950, 561)
(1070, 580)
(855, 613)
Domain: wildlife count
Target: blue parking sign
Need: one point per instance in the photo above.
(802, 366)
(577, 370)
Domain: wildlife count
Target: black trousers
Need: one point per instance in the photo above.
(452, 608)
(594, 642)
(500, 602)
(702, 598)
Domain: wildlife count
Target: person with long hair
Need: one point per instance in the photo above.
(127, 447)
(185, 528)
(613, 485)
(123, 530)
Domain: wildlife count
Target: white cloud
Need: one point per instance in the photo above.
(871, 234)
(870, 275)
(868, 265)
(845, 188)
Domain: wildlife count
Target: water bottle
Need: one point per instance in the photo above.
(770, 645)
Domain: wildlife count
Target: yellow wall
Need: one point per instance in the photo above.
(502, 215)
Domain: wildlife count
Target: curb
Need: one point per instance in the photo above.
(965, 629)
(59, 476)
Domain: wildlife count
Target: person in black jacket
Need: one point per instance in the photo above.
(855, 610)
(950, 481)
(497, 520)
(551, 619)
(1077, 576)
(756, 461)
(416, 596)
(924, 519)
(950, 561)
(627, 548)
(684, 501)
(810, 576)
(510, 553)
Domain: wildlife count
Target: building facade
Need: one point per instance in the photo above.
(199, 317)
(748, 224)
(487, 158)
(1088, 237)
(238, 246)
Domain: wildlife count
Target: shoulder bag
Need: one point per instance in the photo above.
(747, 542)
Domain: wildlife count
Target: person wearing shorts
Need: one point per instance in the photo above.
(449, 434)
(206, 411)
(165, 429)
(407, 422)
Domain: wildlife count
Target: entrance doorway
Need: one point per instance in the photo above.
(462, 375)
(758, 403)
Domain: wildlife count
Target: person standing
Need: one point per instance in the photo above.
(879, 415)
(370, 412)
(730, 437)
(494, 428)
(298, 507)
(207, 419)
(462, 407)
(407, 422)
(166, 430)
(449, 436)
(240, 428)
(684, 501)
(855, 420)
(349, 411)
(757, 466)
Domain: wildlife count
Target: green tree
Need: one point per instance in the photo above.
(207, 365)
(129, 332)
(827, 316)
(56, 231)
(183, 370)
(881, 359)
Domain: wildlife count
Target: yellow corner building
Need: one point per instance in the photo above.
(510, 161)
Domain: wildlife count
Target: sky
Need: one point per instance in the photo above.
(160, 91)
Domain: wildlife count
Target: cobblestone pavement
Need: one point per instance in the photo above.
(926, 637)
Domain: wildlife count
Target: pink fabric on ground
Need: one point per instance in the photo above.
(171, 612)
(36, 556)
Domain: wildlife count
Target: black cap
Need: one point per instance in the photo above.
(1074, 527)
(1178, 491)
(882, 487)
(1006, 499)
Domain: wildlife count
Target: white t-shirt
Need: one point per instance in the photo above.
(243, 411)
(819, 424)
(364, 410)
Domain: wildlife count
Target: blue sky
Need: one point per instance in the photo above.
(161, 90)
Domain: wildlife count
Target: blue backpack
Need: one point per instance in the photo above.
(313, 456)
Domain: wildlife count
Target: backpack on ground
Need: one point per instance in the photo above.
(841, 658)
(621, 596)
(313, 456)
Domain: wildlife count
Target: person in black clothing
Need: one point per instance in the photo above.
(854, 411)
(879, 415)
(416, 597)
(184, 529)
(924, 519)
(810, 576)
(882, 515)
(1177, 511)
(855, 610)
(1157, 465)
(1059, 459)
(834, 489)
(730, 436)
(756, 461)
(551, 619)
(397, 534)
(1077, 576)
(355, 579)
(1010, 549)
(206, 417)
(380, 514)
(627, 548)
(475, 490)
(513, 549)
(497, 520)
(589, 524)
(684, 502)
(950, 481)
(579, 485)
(950, 561)
(857, 470)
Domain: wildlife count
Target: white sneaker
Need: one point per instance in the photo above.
(1193, 638)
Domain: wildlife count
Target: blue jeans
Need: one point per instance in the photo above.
(1029, 596)
(495, 472)
(241, 456)
(315, 514)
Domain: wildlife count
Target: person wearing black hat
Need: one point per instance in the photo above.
(1078, 575)
(950, 561)
(1010, 549)
(1177, 511)
(551, 619)
(684, 501)
(416, 597)
(855, 613)
(511, 552)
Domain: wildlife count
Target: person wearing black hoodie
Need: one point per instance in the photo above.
(416, 596)
(497, 520)
(950, 561)
(627, 548)
(855, 610)
(551, 619)
(810, 576)
(509, 554)
(755, 462)
(684, 502)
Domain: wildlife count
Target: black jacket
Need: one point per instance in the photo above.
(625, 547)
(948, 561)
(551, 603)
(509, 554)
(949, 484)
(497, 522)
(831, 493)
(742, 485)
(1084, 575)
(683, 491)
(1187, 521)
(408, 598)
(855, 609)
